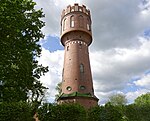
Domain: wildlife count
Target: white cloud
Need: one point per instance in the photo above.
(131, 96)
(113, 69)
(144, 81)
(117, 24)
(53, 77)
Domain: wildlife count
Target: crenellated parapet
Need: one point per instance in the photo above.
(75, 8)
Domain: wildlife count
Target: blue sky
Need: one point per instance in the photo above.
(51, 43)
(120, 52)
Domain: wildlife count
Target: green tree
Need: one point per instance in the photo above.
(64, 112)
(94, 114)
(105, 113)
(140, 110)
(131, 112)
(118, 99)
(144, 99)
(20, 31)
(16, 111)
(137, 112)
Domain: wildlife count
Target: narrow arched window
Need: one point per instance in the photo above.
(76, 8)
(81, 21)
(88, 25)
(67, 48)
(80, 46)
(72, 21)
(81, 68)
(64, 24)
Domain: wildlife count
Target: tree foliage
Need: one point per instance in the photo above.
(20, 30)
(108, 112)
(140, 109)
(105, 113)
(65, 112)
(118, 99)
(137, 112)
(16, 111)
(143, 99)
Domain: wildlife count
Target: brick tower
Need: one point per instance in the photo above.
(76, 36)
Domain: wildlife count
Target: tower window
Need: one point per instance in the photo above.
(72, 21)
(81, 68)
(81, 21)
(69, 88)
(76, 8)
(80, 46)
(88, 25)
(64, 24)
(67, 48)
(82, 87)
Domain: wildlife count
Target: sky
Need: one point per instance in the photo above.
(119, 53)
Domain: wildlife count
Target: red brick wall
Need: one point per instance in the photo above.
(84, 101)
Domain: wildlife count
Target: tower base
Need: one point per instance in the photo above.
(85, 101)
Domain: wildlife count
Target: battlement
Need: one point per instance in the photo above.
(75, 8)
